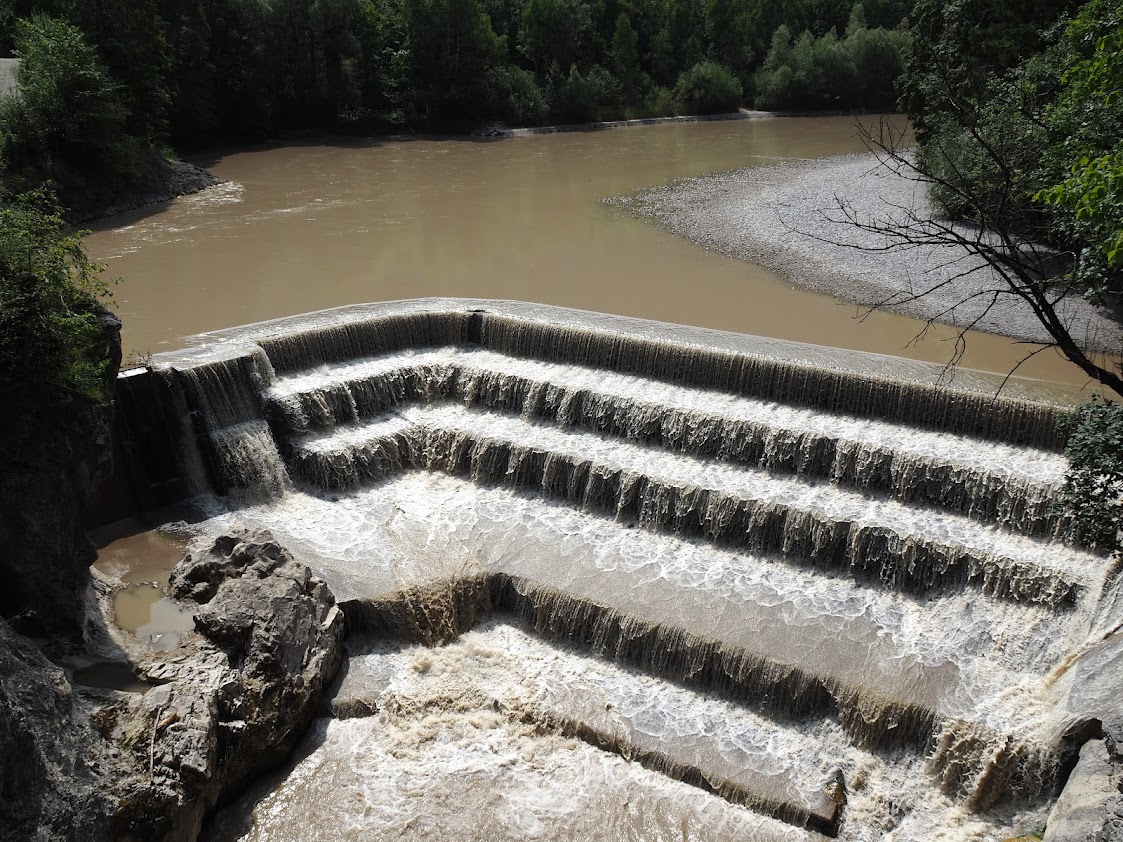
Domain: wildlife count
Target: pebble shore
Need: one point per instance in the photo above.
(787, 216)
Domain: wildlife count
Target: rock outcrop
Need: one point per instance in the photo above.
(159, 180)
(231, 702)
(49, 466)
(53, 761)
(239, 693)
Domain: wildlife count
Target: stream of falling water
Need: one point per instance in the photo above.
(666, 592)
(611, 581)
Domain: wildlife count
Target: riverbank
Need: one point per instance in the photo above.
(159, 180)
(529, 131)
(162, 179)
(789, 217)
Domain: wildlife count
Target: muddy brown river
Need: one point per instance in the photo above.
(308, 226)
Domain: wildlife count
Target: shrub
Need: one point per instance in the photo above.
(586, 97)
(708, 88)
(516, 96)
(53, 349)
(662, 103)
(1093, 490)
(67, 115)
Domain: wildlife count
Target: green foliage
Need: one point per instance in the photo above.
(53, 350)
(237, 52)
(452, 47)
(585, 97)
(1019, 133)
(855, 72)
(200, 72)
(662, 103)
(625, 59)
(1033, 146)
(557, 33)
(1093, 490)
(516, 97)
(191, 110)
(960, 46)
(708, 88)
(1086, 201)
(130, 40)
(67, 117)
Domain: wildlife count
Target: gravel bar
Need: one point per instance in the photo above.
(787, 216)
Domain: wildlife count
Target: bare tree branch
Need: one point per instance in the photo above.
(1020, 267)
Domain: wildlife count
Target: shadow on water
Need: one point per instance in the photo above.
(236, 820)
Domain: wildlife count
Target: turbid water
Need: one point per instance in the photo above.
(304, 227)
(608, 577)
(605, 573)
(142, 559)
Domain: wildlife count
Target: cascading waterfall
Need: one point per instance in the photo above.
(224, 398)
(1022, 503)
(904, 501)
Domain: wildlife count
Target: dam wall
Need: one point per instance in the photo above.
(830, 541)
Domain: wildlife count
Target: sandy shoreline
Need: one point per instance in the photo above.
(780, 216)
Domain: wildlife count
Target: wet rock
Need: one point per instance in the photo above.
(51, 757)
(94, 764)
(1080, 813)
(158, 180)
(240, 692)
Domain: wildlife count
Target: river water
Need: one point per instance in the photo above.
(467, 741)
(308, 226)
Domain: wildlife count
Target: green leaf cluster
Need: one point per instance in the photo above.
(708, 88)
(1093, 490)
(1087, 205)
(857, 71)
(68, 119)
(54, 350)
(1023, 127)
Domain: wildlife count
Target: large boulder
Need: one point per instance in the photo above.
(232, 700)
(53, 761)
(239, 694)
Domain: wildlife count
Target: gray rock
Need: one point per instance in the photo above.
(157, 180)
(52, 759)
(1082, 808)
(232, 701)
(241, 692)
(9, 76)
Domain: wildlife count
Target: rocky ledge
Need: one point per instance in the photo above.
(232, 701)
(159, 180)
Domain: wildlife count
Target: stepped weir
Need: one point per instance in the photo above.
(826, 588)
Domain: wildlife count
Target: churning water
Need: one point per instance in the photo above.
(608, 578)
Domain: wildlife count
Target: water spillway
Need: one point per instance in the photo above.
(830, 590)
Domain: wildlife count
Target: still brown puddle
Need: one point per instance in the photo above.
(142, 559)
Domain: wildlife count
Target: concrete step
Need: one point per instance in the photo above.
(907, 547)
(985, 480)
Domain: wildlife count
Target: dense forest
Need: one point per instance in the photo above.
(101, 78)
